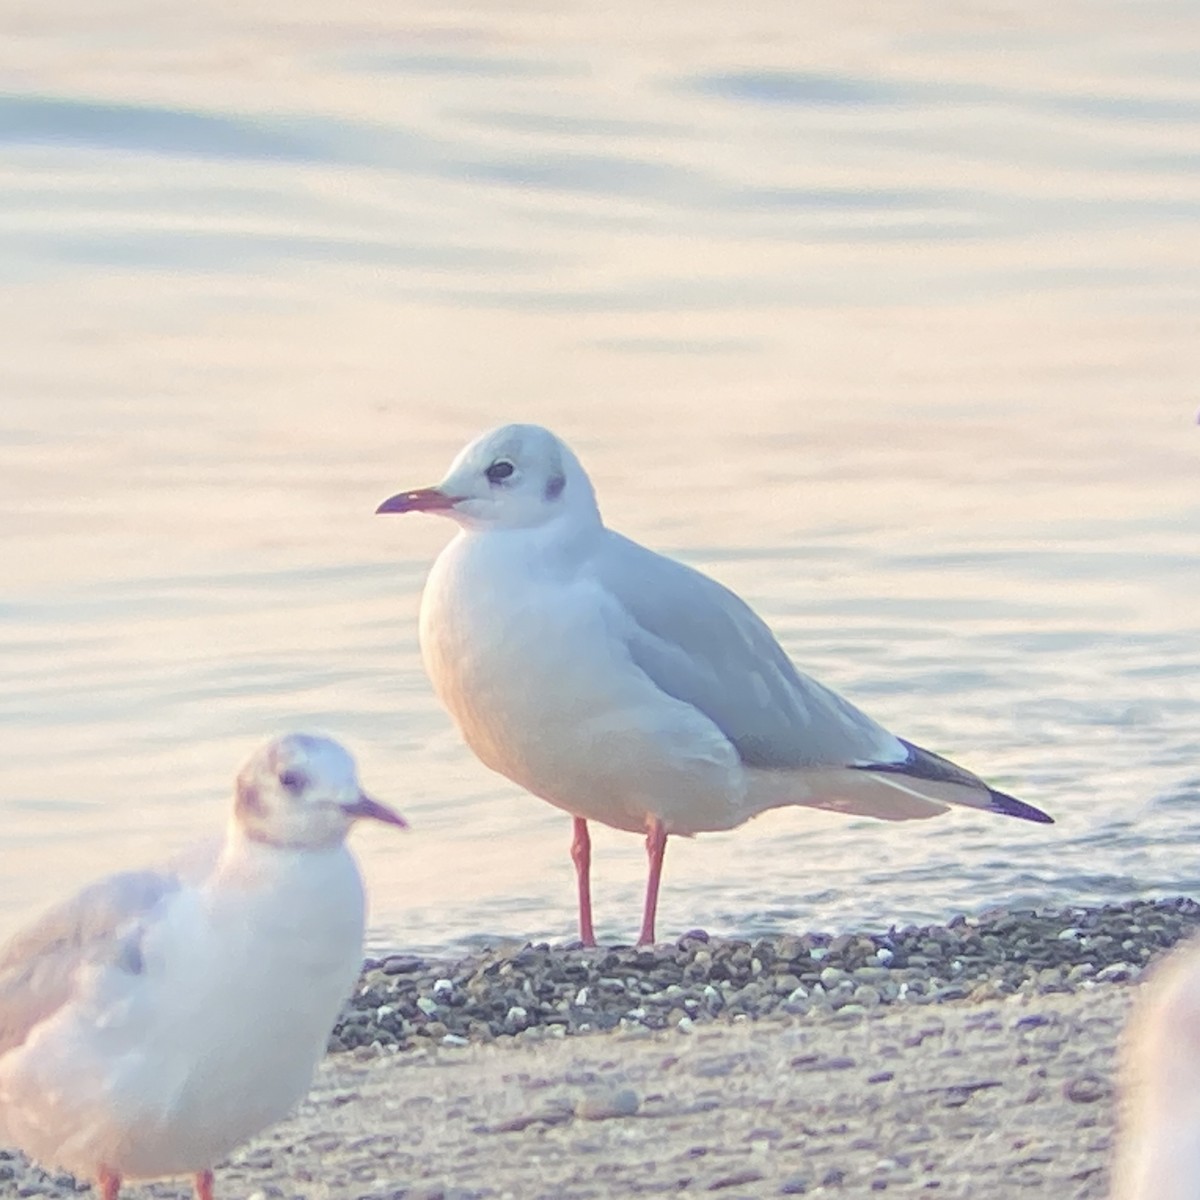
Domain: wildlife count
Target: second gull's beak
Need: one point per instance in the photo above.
(366, 808)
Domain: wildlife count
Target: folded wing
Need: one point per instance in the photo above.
(103, 924)
(702, 645)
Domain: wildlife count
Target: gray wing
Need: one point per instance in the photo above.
(703, 645)
(104, 923)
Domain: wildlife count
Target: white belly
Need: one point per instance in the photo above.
(538, 680)
(165, 1072)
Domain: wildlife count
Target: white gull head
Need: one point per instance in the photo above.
(301, 791)
(513, 477)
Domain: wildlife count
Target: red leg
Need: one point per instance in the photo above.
(108, 1183)
(581, 855)
(656, 845)
(204, 1185)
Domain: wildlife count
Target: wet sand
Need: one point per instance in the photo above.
(1007, 1098)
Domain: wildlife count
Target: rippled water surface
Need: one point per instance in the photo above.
(886, 316)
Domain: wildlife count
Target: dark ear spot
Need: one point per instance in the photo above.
(249, 803)
(554, 486)
(128, 956)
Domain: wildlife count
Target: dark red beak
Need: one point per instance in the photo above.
(364, 808)
(422, 500)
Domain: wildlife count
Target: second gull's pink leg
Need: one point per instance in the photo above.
(581, 855)
(204, 1185)
(656, 845)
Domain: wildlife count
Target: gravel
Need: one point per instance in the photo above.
(538, 991)
(811, 1064)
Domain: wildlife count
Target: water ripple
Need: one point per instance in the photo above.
(143, 129)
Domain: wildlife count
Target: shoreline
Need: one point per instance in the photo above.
(997, 1075)
(527, 991)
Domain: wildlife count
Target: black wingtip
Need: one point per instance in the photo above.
(924, 764)
(1010, 806)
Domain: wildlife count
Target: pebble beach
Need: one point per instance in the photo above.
(541, 991)
(933, 1061)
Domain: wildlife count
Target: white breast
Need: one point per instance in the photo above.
(165, 1071)
(532, 662)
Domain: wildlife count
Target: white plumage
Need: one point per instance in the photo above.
(627, 688)
(160, 1018)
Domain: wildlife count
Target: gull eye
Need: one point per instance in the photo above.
(293, 781)
(499, 471)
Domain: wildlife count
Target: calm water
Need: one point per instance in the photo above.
(886, 315)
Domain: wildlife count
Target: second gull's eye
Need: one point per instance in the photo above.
(499, 471)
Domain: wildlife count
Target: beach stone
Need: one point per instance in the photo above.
(400, 964)
(606, 1104)
(831, 976)
(867, 996)
(736, 1179)
(795, 1185)
(1086, 1089)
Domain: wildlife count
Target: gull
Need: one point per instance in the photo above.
(628, 688)
(1158, 1147)
(159, 1018)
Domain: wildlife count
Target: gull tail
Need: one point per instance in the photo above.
(920, 768)
(1010, 806)
(913, 788)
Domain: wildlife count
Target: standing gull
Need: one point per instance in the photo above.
(627, 688)
(158, 1019)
